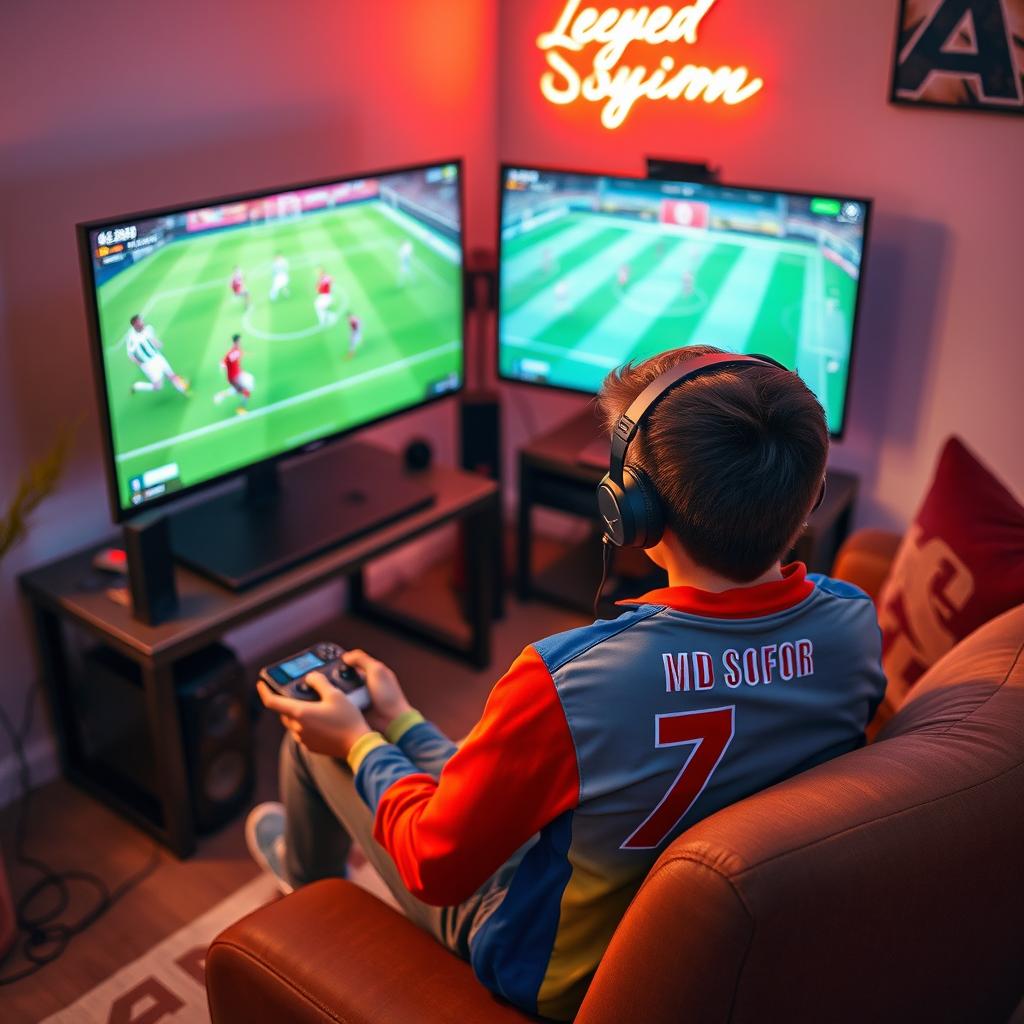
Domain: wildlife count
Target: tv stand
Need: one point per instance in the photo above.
(561, 470)
(71, 605)
(285, 515)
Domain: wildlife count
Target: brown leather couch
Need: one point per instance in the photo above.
(886, 885)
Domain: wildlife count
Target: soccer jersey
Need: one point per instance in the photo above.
(232, 363)
(603, 744)
(141, 345)
(323, 285)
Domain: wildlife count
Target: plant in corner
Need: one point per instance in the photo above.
(34, 486)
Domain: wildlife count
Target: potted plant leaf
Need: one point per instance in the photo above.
(34, 486)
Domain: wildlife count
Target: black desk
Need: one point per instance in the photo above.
(69, 592)
(551, 475)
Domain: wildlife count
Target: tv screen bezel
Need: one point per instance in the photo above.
(83, 229)
(507, 166)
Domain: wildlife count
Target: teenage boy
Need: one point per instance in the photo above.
(600, 745)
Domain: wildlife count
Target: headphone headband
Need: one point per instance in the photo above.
(629, 423)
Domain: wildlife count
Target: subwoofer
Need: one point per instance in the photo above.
(480, 433)
(213, 703)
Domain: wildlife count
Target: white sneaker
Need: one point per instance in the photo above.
(264, 835)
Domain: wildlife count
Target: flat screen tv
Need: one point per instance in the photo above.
(597, 270)
(231, 332)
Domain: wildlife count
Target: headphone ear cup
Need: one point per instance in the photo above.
(647, 518)
(611, 503)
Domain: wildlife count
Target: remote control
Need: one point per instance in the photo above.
(288, 677)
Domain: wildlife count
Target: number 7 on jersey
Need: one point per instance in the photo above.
(710, 732)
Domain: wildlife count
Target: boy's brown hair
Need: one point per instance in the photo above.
(736, 456)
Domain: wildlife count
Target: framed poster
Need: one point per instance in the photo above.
(960, 54)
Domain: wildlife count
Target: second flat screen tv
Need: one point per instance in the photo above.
(232, 332)
(598, 270)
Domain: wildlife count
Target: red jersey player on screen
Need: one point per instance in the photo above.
(238, 286)
(355, 334)
(240, 383)
(623, 275)
(324, 299)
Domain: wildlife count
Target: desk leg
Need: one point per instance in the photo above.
(498, 575)
(524, 584)
(53, 665)
(165, 731)
(482, 533)
(357, 592)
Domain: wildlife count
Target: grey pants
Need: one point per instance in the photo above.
(324, 813)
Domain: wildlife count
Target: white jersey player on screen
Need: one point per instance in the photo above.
(145, 351)
(278, 277)
(404, 261)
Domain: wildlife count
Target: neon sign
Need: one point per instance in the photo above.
(620, 86)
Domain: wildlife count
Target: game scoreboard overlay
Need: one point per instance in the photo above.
(598, 270)
(347, 297)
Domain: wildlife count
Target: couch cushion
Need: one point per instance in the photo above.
(960, 564)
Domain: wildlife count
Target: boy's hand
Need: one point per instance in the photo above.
(388, 700)
(329, 726)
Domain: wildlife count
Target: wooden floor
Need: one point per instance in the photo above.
(71, 830)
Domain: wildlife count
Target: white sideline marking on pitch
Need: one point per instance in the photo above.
(338, 385)
(812, 328)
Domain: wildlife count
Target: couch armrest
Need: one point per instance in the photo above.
(333, 952)
(865, 559)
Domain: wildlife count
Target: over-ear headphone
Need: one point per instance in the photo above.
(626, 498)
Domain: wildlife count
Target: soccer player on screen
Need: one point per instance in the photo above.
(355, 334)
(324, 299)
(238, 287)
(687, 283)
(623, 275)
(404, 261)
(145, 351)
(240, 383)
(278, 277)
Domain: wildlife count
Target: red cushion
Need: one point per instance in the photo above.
(961, 563)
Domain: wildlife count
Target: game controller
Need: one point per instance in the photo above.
(287, 678)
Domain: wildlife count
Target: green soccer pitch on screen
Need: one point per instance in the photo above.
(598, 270)
(232, 332)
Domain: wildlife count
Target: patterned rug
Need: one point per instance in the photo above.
(166, 985)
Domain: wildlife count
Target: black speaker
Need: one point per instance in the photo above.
(480, 433)
(213, 715)
(216, 734)
(418, 455)
(147, 545)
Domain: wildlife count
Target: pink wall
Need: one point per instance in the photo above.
(121, 106)
(941, 348)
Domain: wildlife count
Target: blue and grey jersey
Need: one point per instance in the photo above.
(603, 744)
